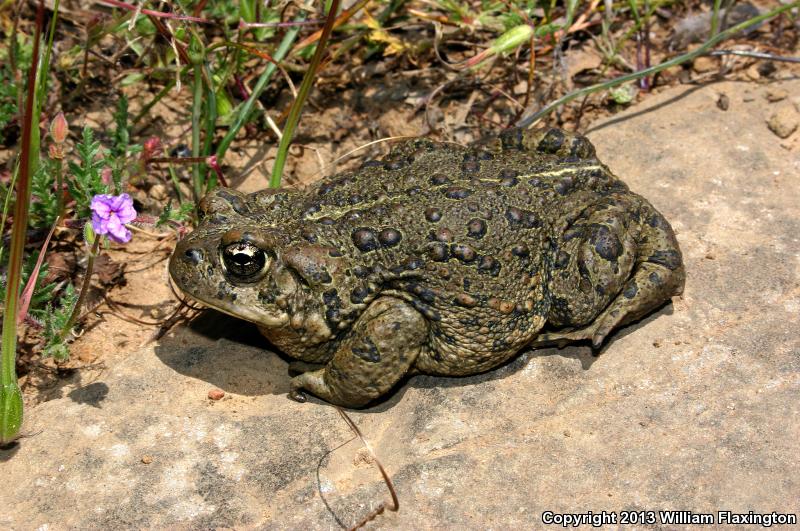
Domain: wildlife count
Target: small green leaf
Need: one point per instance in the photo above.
(132, 79)
(88, 233)
(10, 412)
(623, 94)
(512, 39)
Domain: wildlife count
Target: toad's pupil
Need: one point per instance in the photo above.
(242, 257)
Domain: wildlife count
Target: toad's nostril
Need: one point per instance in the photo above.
(194, 255)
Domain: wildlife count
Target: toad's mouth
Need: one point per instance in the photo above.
(273, 317)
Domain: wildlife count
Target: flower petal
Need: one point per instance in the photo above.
(99, 224)
(101, 205)
(126, 212)
(123, 236)
(117, 231)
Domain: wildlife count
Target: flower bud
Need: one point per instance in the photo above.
(151, 148)
(59, 128)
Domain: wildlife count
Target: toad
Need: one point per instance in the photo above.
(438, 259)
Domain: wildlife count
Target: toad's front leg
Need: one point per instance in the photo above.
(372, 358)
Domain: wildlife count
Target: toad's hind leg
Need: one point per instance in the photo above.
(618, 262)
(378, 351)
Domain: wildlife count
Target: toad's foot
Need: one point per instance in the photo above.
(375, 355)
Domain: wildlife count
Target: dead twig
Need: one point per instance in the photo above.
(382, 507)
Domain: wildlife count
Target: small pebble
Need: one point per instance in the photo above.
(784, 121)
(147, 459)
(723, 102)
(216, 394)
(775, 95)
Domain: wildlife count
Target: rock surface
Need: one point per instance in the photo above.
(695, 408)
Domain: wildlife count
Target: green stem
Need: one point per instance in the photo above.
(247, 106)
(716, 39)
(45, 66)
(197, 113)
(175, 183)
(715, 18)
(302, 95)
(87, 277)
(210, 124)
(60, 189)
(10, 395)
(7, 206)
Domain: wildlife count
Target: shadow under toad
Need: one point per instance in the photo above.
(231, 354)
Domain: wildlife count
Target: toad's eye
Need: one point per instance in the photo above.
(244, 261)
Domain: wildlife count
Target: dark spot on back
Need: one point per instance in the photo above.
(439, 252)
(508, 178)
(465, 253)
(517, 216)
(395, 164)
(476, 228)
(457, 192)
(521, 251)
(564, 186)
(471, 166)
(365, 239)
(552, 141)
(487, 264)
(433, 214)
(443, 234)
(437, 179)
(331, 298)
(514, 215)
(309, 235)
(389, 237)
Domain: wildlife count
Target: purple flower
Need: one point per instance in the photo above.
(110, 213)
